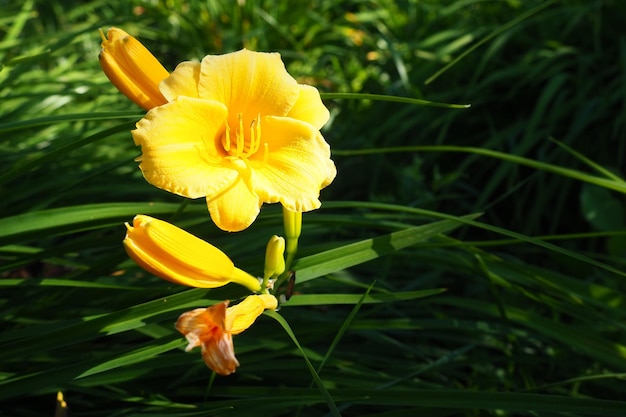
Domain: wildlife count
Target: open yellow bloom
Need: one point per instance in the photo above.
(177, 256)
(212, 329)
(240, 131)
(132, 68)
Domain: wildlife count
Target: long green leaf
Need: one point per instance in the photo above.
(489, 37)
(7, 127)
(75, 218)
(354, 299)
(40, 340)
(582, 338)
(451, 399)
(333, 260)
(395, 99)
(609, 183)
(498, 230)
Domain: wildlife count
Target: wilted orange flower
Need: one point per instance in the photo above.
(178, 256)
(213, 328)
(240, 131)
(132, 68)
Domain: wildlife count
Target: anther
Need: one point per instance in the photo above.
(255, 135)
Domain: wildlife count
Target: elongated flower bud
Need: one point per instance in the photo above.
(132, 68)
(177, 256)
(274, 257)
(292, 221)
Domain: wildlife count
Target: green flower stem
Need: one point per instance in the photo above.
(293, 227)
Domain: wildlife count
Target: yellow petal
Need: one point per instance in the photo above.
(235, 209)
(298, 164)
(309, 107)
(182, 82)
(181, 151)
(269, 301)
(177, 256)
(244, 314)
(248, 83)
(331, 173)
(132, 68)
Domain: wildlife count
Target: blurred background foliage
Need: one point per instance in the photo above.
(531, 322)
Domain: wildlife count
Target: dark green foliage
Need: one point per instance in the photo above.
(518, 311)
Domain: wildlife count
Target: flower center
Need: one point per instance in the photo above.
(240, 144)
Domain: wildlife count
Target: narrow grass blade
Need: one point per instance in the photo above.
(489, 37)
(395, 99)
(75, 218)
(605, 172)
(320, 385)
(60, 151)
(344, 326)
(48, 120)
(355, 299)
(566, 172)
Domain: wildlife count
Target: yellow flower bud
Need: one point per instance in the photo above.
(61, 407)
(292, 221)
(177, 256)
(274, 257)
(132, 68)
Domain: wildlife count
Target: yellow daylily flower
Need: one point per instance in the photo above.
(132, 68)
(213, 328)
(178, 256)
(239, 131)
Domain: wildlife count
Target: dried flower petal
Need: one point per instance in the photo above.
(212, 328)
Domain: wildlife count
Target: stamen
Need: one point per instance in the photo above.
(265, 152)
(240, 136)
(244, 147)
(255, 136)
(227, 137)
(253, 139)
